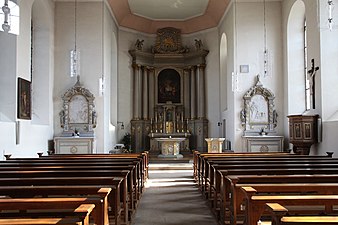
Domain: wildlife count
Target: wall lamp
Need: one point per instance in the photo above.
(122, 125)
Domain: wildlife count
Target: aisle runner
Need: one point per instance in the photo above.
(172, 198)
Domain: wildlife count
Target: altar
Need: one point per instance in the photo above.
(170, 147)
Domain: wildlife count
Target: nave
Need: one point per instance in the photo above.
(171, 197)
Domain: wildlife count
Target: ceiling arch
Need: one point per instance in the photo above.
(187, 15)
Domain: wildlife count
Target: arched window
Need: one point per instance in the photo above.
(307, 83)
(296, 53)
(223, 72)
(10, 17)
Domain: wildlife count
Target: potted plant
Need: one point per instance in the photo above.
(126, 140)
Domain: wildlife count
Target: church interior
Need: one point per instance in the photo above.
(196, 62)
(173, 81)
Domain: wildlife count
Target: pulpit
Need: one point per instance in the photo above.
(303, 131)
(170, 147)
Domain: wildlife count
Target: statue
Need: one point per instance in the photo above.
(198, 44)
(94, 118)
(274, 118)
(139, 44)
(242, 115)
(62, 118)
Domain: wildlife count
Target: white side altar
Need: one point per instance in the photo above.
(170, 147)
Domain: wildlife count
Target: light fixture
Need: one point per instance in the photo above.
(266, 54)
(330, 19)
(122, 125)
(75, 54)
(101, 79)
(6, 10)
(235, 75)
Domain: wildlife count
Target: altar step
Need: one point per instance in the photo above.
(171, 166)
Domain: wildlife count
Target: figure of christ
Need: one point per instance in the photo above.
(311, 78)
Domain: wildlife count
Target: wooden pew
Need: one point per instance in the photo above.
(208, 172)
(134, 181)
(139, 179)
(204, 167)
(144, 155)
(255, 205)
(215, 182)
(66, 160)
(223, 190)
(232, 196)
(47, 191)
(41, 221)
(78, 216)
(279, 217)
(114, 184)
(54, 203)
(265, 169)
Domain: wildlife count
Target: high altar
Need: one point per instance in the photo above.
(169, 94)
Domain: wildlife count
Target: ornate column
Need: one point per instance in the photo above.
(200, 80)
(151, 94)
(145, 93)
(186, 83)
(193, 94)
(137, 91)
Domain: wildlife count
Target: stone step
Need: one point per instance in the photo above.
(171, 166)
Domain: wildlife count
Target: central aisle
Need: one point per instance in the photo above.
(172, 198)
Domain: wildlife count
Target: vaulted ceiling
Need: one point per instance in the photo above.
(187, 15)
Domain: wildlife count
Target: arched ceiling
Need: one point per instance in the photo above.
(187, 15)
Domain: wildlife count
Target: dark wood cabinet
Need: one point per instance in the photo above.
(303, 130)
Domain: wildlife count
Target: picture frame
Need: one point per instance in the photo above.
(24, 105)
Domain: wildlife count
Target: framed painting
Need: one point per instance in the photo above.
(24, 99)
(169, 86)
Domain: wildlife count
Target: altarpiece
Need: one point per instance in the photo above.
(169, 93)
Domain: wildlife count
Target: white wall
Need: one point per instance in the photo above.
(32, 138)
(328, 80)
(210, 42)
(247, 49)
(89, 43)
(227, 27)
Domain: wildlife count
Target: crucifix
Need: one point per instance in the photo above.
(311, 78)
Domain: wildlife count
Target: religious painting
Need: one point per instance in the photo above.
(297, 131)
(169, 86)
(78, 110)
(307, 127)
(24, 99)
(258, 110)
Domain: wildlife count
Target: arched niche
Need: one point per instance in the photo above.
(78, 116)
(259, 115)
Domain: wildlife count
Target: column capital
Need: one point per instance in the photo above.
(201, 66)
(135, 65)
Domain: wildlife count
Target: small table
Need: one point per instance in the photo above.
(170, 147)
